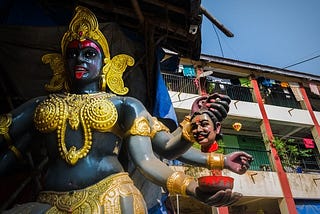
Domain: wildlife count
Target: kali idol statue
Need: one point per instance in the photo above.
(84, 128)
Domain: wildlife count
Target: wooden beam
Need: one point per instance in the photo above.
(138, 11)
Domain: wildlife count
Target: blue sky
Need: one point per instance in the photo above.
(277, 33)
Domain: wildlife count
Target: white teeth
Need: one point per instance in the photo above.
(78, 68)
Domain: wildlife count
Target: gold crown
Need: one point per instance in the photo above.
(84, 25)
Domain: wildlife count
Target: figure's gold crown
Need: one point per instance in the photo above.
(84, 25)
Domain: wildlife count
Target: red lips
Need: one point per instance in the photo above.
(79, 71)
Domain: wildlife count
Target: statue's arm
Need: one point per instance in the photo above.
(237, 162)
(138, 125)
(170, 145)
(16, 130)
(195, 157)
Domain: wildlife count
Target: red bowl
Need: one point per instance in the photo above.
(215, 183)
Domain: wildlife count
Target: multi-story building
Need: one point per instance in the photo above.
(273, 106)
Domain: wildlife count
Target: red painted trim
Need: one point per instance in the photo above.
(223, 210)
(309, 108)
(281, 174)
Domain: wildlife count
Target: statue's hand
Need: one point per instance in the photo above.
(220, 198)
(217, 199)
(238, 162)
(218, 104)
(198, 104)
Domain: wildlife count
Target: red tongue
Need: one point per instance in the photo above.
(79, 74)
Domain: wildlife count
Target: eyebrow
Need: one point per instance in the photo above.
(203, 120)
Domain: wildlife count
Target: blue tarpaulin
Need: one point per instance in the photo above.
(308, 206)
(163, 107)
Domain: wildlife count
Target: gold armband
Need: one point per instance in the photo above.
(186, 130)
(215, 161)
(140, 127)
(157, 127)
(5, 122)
(177, 183)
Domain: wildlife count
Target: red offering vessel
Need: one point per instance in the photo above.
(214, 183)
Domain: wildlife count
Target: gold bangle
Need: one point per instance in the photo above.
(140, 127)
(5, 122)
(215, 161)
(186, 130)
(178, 182)
(157, 127)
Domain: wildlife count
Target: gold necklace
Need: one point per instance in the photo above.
(92, 111)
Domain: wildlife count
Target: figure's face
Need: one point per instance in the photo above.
(203, 130)
(84, 61)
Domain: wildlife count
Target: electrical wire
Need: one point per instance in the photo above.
(303, 61)
(221, 49)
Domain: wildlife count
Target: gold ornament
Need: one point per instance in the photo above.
(84, 25)
(92, 111)
(58, 81)
(5, 122)
(237, 126)
(186, 130)
(112, 72)
(215, 161)
(140, 127)
(178, 182)
(157, 127)
(103, 197)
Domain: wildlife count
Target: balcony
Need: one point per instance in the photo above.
(279, 98)
(284, 113)
(191, 85)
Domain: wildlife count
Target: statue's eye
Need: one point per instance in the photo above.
(205, 123)
(72, 53)
(90, 53)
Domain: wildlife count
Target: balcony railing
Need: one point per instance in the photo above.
(279, 98)
(235, 92)
(180, 83)
(188, 85)
(312, 163)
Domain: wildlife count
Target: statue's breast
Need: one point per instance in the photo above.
(91, 111)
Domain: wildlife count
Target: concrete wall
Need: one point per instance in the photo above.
(304, 186)
(289, 115)
(267, 185)
(256, 183)
(244, 109)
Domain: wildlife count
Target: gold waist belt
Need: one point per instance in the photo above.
(103, 197)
